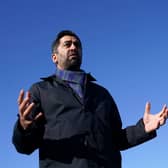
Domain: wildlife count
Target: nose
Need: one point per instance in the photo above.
(73, 46)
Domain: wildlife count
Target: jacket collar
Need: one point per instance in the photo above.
(54, 77)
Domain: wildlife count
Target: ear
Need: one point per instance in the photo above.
(54, 58)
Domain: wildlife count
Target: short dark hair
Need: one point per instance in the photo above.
(60, 35)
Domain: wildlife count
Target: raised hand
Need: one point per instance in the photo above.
(25, 108)
(154, 121)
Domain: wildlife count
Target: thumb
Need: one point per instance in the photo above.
(147, 108)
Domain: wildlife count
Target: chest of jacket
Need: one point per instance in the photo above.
(68, 116)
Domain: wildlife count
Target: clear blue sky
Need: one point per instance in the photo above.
(125, 48)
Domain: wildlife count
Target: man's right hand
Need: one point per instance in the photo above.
(25, 108)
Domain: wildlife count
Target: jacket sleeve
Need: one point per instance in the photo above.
(130, 136)
(134, 135)
(26, 141)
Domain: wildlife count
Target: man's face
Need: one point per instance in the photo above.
(69, 54)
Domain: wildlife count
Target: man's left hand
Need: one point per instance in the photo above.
(154, 121)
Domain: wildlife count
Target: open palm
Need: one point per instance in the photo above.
(154, 121)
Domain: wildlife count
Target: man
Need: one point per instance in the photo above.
(73, 121)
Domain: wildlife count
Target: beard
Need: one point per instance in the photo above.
(73, 63)
(71, 60)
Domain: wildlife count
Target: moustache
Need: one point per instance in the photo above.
(73, 53)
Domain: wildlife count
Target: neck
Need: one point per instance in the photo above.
(70, 68)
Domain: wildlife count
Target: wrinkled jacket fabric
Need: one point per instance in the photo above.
(74, 132)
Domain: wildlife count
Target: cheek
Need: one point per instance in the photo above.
(62, 58)
(63, 53)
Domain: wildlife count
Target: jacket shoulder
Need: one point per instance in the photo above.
(99, 88)
(44, 81)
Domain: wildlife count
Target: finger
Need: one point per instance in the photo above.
(162, 121)
(163, 111)
(38, 116)
(20, 98)
(24, 105)
(28, 110)
(147, 108)
(166, 112)
(28, 94)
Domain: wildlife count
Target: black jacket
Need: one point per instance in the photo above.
(76, 133)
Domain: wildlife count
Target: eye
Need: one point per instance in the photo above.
(77, 44)
(67, 44)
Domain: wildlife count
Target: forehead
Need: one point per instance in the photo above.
(68, 38)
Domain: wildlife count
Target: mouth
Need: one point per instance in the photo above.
(74, 55)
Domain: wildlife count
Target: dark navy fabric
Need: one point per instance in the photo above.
(76, 133)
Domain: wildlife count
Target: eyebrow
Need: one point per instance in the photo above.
(71, 41)
(76, 42)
